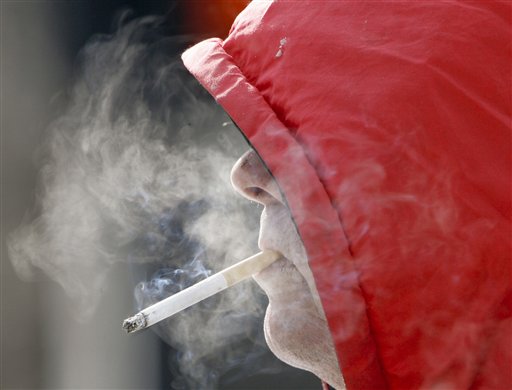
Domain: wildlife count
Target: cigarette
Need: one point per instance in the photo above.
(200, 291)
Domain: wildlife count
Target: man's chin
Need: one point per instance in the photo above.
(297, 336)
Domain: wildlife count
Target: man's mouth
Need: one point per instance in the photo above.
(279, 275)
(283, 265)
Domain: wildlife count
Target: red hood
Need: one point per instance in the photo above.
(387, 126)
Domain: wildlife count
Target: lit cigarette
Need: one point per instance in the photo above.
(200, 291)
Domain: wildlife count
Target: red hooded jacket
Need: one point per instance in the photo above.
(387, 127)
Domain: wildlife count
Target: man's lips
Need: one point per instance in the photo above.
(282, 265)
(278, 274)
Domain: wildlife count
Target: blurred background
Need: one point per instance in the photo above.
(43, 345)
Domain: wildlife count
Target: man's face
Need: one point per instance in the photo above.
(295, 326)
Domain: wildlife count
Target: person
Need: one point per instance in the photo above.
(381, 152)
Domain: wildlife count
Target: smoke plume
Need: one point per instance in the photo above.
(136, 170)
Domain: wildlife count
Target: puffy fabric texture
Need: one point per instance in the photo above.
(387, 127)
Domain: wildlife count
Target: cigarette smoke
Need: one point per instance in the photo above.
(136, 170)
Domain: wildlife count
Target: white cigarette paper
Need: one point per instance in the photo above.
(200, 291)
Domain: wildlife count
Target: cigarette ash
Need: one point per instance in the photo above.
(135, 323)
(136, 171)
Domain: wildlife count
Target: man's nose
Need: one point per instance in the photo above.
(251, 178)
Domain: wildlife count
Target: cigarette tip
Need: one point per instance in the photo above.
(135, 323)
